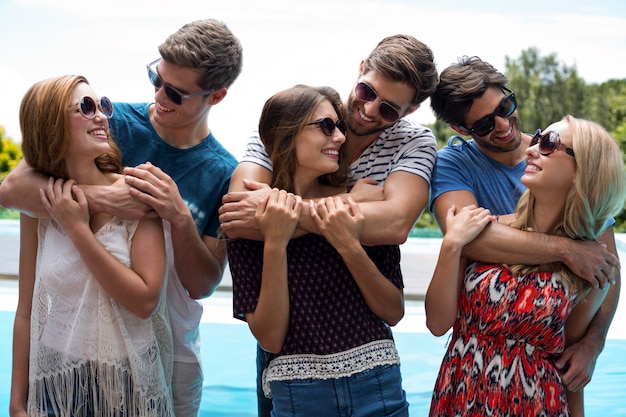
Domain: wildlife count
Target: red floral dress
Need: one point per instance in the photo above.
(500, 359)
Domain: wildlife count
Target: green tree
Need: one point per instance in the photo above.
(547, 89)
(10, 154)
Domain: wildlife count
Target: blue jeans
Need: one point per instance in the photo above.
(372, 393)
(264, 404)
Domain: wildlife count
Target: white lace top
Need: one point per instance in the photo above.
(88, 354)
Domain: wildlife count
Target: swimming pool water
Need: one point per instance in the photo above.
(228, 352)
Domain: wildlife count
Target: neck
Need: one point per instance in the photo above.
(183, 135)
(548, 213)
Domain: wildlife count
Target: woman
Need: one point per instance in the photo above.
(91, 333)
(321, 305)
(511, 322)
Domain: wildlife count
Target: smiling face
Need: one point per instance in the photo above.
(505, 136)
(551, 175)
(364, 118)
(169, 115)
(316, 152)
(88, 137)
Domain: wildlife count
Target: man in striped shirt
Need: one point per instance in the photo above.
(391, 158)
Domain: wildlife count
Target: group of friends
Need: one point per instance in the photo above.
(130, 212)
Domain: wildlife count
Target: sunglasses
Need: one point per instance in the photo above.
(485, 125)
(172, 93)
(328, 126)
(88, 108)
(365, 92)
(549, 142)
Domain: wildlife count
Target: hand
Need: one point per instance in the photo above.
(576, 364)
(278, 214)
(123, 205)
(591, 261)
(239, 208)
(340, 223)
(464, 226)
(367, 189)
(66, 204)
(153, 187)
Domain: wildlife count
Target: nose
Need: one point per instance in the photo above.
(338, 137)
(502, 123)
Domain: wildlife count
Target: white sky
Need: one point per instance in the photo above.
(317, 42)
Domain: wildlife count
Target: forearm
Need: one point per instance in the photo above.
(442, 296)
(503, 244)
(19, 378)
(598, 328)
(123, 284)
(20, 191)
(381, 295)
(387, 223)
(199, 260)
(270, 321)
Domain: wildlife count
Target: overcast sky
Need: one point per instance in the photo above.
(288, 42)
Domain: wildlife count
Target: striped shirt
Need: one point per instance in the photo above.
(405, 146)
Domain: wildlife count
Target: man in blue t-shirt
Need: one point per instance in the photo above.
(485, 171)
(178, 171)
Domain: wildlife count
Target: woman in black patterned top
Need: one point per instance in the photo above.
(321, 304)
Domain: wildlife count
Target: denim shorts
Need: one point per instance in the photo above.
(375, 392)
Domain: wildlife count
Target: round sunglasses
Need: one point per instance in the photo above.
(365, 92)
(327, 125)
(88, 108)
(486, 124)
(172, 93)
(549, 142)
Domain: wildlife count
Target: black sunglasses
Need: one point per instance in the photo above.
(328, 126)
(365, 92)
(88, 108)
(549, 142)
(485, 125)
(172, 93)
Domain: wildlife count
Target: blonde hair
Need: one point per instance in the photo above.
(597, 194)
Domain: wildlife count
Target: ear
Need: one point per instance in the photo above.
(460, 130)
(411, 110)
(361, 67)
(217, 96)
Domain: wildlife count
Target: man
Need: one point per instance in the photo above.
(398, 156)
(180, 173)
(473, 99)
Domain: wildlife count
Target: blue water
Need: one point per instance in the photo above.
(229, 353)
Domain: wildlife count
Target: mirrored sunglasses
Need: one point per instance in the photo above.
(328, 126)
(365, 92)
(172, 93)
(485, 125)
(549, 142)
(88, 107)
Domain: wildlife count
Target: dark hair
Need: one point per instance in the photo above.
(403, 58)
(284, 116)
(208, 47)
(460, 84)
(44, 121)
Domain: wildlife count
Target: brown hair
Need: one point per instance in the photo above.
(460, 84)
(208, 47)
(405, 59)
(284, 116)
(44, 121)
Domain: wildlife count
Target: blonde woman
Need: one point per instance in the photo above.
(510, 322)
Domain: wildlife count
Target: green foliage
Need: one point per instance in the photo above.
(10, 154)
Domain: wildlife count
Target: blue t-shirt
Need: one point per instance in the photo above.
(462, 166)
(202, 173)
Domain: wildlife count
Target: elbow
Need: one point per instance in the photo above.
(394, 319)
(436, 327)
(146, 311)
